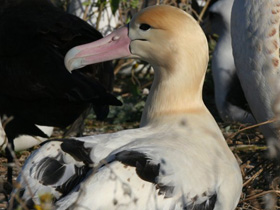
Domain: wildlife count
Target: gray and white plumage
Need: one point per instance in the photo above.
(229, 96)
(255, 41)
(177, 159)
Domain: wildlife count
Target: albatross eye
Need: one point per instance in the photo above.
(144, 27)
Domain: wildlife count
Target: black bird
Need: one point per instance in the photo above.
(35, 87)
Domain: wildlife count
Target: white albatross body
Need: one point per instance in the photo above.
(177, 159)
(229, 96)
(255, 41)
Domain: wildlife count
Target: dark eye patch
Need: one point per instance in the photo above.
(144, 27)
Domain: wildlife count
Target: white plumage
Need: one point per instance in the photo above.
(229, 96)
(255, 41)
(178, 159)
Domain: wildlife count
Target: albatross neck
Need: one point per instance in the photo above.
(172, 94)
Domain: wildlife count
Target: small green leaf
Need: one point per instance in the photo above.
(114, 5)
(134, 4)
(86, 3)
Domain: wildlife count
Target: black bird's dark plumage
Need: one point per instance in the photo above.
(35, 87)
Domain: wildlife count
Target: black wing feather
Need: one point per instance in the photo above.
(77, 150)
(149, 171)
